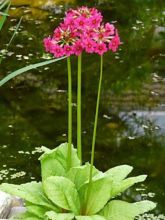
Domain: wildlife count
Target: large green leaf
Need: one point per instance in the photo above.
(119, 187)
(93, 217)
(94, 196)
(26, 216)
(59, 216)
(55, 163)
(119, 173)
(37, 210)
(31, 192)
(27, 68)
(119, 210)
(80, 175)
(62, 192)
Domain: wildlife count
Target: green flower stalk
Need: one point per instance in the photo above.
(96, 120)
(79, 145)
(69, 112)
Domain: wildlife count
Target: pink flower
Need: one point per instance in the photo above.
(100, 34)
(114, 43)
(101, 48)
(57, 34)
(57, 50)
(89, 33)
(69, 21)
(110, 29)
(80, 23)
(94, 21)
(89, 45)
(78, 48)
(82, 29)
(68, 50)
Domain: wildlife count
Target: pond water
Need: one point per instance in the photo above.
(131, 127)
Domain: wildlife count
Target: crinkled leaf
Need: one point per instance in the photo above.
(58, 216)
(93, 217)
(80, 175)
(62, 192)
(119, 187)
(31, 192)
(54, 162)
(120, 210)
(94, 200)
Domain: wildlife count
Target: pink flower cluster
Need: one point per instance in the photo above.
(82, 30)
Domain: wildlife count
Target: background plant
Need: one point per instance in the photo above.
(4, 13)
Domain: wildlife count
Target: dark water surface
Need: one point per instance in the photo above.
(131, 128)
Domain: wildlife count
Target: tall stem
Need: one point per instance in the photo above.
(79, 147)
(96, 120)
(69, 112)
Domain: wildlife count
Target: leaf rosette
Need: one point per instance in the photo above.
(68, 195)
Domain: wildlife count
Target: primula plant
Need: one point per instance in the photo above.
(71, 190)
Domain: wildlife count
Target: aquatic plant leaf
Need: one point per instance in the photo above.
(93, 199)
(59, 216)
(80, 175)
(55, 163)
(62, 192)
(121, 186)
(27, 68)
(93, 217)
(117, 209)
(31, 192)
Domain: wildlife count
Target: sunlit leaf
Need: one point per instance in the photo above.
(119, 187)
(59, 216)
(119, 173)
(93, 217)
(62, 192)
(120, 210)
(80, 175)
(95, 195)
(37, 210)
(54, 162)
(31, 192)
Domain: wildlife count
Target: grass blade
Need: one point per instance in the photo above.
(3, 14)
(3, 19)
(15, 31)
(27, 68)
(3, 4)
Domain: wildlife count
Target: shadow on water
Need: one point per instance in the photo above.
(131, 125)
